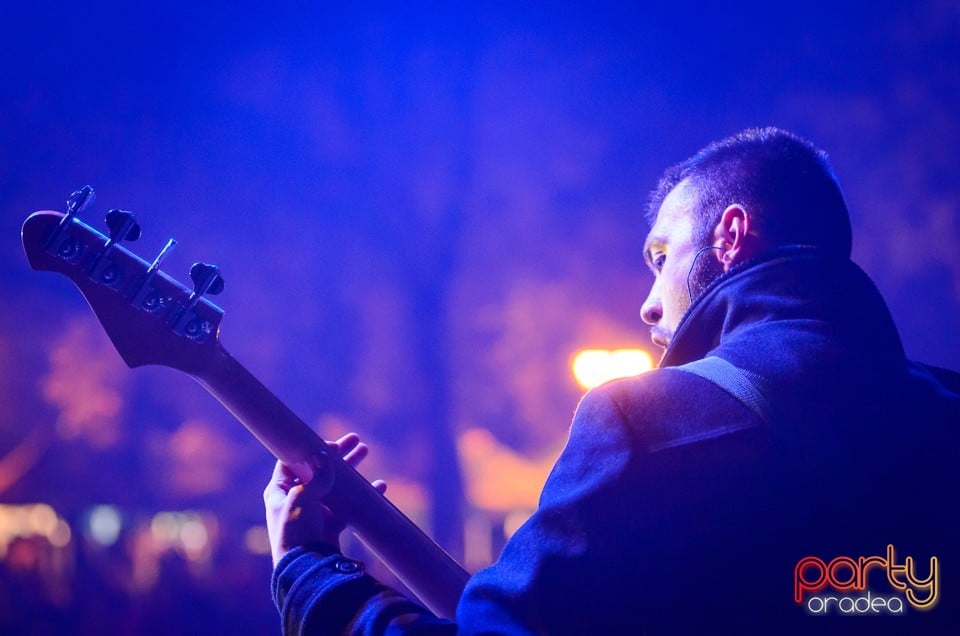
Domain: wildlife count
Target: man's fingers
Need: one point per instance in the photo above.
(283, 475)
(273, 497)
(353, 451)
(281, 481)
(356, 455)
(345, 444)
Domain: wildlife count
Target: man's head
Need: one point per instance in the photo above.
(760, 189)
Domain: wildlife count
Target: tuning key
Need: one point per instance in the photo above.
(79, 201)
(123, 226)
(206, 280)
(158, 261)
(58, 244)
(147, 298)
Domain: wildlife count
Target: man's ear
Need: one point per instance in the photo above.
(732, 235)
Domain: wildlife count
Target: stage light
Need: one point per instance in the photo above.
(190, 533)
(165, 527)
(593, 367)
(61, 535)
(29, 520)
(104, 524)
(194, 538)
(257, 541)
(41, 520)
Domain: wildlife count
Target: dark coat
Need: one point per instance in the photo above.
(676, 509)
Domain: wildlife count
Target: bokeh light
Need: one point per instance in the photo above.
(593, 367)
(104, 524)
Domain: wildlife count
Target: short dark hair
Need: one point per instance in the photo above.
(784, 180)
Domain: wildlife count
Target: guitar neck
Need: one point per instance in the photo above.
(415, 558)
(153, 319)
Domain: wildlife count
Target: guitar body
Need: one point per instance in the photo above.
(153, 319)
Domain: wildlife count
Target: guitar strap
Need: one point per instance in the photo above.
(741, 384)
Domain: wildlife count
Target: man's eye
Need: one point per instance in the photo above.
(658, 262)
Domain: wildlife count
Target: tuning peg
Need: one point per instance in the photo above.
(123, 226)
(146, 297)
(162, 256)
(57, 243)
(80, 201)
(206, 279)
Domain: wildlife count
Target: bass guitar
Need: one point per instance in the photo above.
(151, 318)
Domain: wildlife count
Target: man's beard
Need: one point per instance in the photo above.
(705, 269)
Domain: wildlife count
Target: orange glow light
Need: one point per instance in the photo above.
(593, 367)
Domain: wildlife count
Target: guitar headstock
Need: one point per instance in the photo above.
(149, 316)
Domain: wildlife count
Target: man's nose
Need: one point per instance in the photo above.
(652, 311)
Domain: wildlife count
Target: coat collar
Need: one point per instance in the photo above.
(794, 292)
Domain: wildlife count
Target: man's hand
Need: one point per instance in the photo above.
(295, 513)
